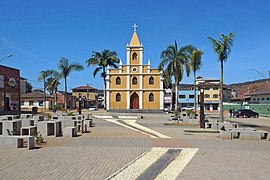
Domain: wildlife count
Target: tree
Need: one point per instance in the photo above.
(173, 60)
(222, 47)
(103, 59)
(65, 69)
(29, 87)
(42, 77)
(195, 64)
(53, 83)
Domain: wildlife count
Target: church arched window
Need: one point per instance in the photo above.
(118, 80)
(134, 56)
(206, 96)
(118, 97)
(134, 80)
(215, 96)
(151, 80)
(151, 97)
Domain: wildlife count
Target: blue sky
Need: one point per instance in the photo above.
(39, 32)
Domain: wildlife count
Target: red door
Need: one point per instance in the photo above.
(134, 101)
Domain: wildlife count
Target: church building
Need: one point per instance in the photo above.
(134, 85)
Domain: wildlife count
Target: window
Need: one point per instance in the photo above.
(22, 103)
(151, 80)
(206, 96)
(118, 97)
(207, 88)
(134, 80)
(215, 96)
(191, 96)
(134, 56)
(151, 97)
(215, 88)
(254, 99)
(262, 99)
(182, 96)
(258, 99)
(268, 99)
(40, 103)
(31, 103)
(118, 80)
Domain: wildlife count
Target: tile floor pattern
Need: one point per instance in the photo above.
(110, 147)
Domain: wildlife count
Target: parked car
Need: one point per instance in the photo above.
(187, 108)
(93, 108)
(246, 113)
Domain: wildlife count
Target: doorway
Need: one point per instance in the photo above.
(134, 101)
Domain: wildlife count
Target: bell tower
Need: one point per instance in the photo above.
(135, 49)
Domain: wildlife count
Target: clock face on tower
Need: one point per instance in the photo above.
(134, 69)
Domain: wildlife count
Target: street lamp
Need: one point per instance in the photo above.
(7, 56)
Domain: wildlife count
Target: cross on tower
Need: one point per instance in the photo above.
(135, 26)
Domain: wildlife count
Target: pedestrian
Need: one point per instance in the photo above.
(231, 112)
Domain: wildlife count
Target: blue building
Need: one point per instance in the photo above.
(186, 98)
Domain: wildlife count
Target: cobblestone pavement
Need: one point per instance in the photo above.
(109, 147)
(216, 158)
(94, 155)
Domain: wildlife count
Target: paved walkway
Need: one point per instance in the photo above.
(109, 147)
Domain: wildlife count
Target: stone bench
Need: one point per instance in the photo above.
(17, 141)
(29, 130)
(89, 122)
(244, 134)
(69, 132)
(250, 135)
(225, 135)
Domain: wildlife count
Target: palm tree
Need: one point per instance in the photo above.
(174, 60)
(42, 77)
(53, 83)
(65, 69)
(222, 47)
(195, 64)
(103, 59)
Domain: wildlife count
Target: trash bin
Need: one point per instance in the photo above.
(34, 109)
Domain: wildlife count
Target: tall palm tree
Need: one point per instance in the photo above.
(103, 59)
(195, 64)
(53, 83)
(174, 60)
(43, 75)
(222, 47)
(65, 69)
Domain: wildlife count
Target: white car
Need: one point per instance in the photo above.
(187, 108)
(93, 108)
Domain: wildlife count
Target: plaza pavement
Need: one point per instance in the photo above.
(109, 147)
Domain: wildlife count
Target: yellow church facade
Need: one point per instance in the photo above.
(134, 86)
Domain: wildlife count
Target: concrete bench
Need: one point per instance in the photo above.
(225, 135)
(250, 135)
(17, 142)
(11, 142)
(29, 131)
(89, 122)
(69, 132)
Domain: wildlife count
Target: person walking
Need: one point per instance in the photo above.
(231, 112)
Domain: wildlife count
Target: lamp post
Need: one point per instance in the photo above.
(202, 108)
(80, 105)
(7, 56)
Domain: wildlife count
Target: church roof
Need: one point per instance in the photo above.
(134, 40)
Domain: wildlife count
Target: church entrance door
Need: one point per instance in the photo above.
(134, 101)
